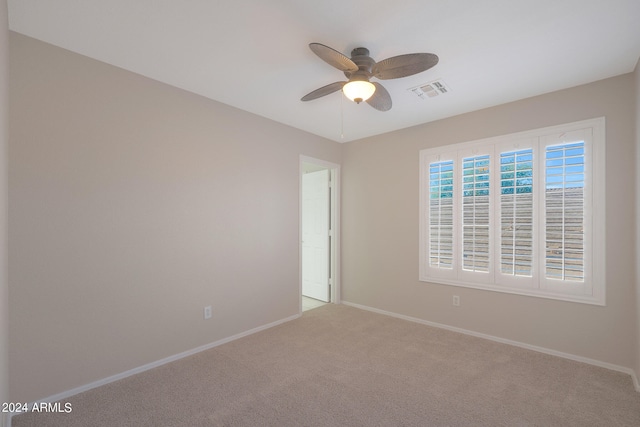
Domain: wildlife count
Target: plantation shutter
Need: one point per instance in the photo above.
(441, 191)
(565, 211)
(475, 213)
(516, 213)
(521, 213)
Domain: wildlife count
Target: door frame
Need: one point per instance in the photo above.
(334, 173)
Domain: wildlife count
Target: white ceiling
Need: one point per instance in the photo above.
(254, 55)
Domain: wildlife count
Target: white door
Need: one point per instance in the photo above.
(315, 235)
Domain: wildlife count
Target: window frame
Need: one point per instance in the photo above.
(590, 291)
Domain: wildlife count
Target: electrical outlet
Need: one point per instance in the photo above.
(456, 300)
(207, 312)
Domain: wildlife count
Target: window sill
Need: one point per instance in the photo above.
(539, 293)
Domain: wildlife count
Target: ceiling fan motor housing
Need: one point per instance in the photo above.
(360, 56)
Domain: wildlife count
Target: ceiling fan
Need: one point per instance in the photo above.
(360, 68)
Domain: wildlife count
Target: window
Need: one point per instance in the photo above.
(521, 213)
(441, 215)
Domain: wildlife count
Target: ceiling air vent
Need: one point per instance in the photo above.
(431, 89)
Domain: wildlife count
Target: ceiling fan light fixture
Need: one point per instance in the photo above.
(361, 67)
(358, 90)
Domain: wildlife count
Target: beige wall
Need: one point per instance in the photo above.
(132, 206)
(636, 74)
(380, 228)
(4, 137)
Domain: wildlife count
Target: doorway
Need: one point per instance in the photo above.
(319, 232)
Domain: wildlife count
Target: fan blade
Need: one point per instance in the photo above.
(404, 65)
(380, 100)
(333, 57)
(324, 90)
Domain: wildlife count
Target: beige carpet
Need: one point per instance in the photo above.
(341, 366)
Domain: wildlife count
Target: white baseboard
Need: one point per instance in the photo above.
(634, 377)
(551, 352)
(140, 369)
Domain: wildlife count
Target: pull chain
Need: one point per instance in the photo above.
(341, 116)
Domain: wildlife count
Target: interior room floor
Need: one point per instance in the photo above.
(311, 303)
(339, 366)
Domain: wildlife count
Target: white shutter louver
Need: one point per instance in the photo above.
(516, 213)
(564, 209)
(475, 213)
(441, 214)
